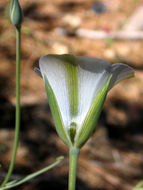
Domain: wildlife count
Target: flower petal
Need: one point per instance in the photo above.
(92, 116)
(38, 72)
(92, 76)
(56, 113)
(55, 70)
(120, 72)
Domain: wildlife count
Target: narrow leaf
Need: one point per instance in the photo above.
(31, 176)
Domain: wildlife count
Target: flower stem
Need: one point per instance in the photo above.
(17, 115)
(20, 181)
(73, 162)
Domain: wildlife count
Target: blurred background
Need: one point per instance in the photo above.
(108, 29)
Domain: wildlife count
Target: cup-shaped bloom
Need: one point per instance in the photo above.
(16, 13)
(76, 88)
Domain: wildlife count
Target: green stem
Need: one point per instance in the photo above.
(31, 176)
(73, 161)
(17, 115)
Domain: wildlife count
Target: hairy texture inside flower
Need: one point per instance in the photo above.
(77, 87)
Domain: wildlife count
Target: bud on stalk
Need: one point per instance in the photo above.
(16, 13)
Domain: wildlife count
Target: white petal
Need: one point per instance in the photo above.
(55, 72)
(92, 76)
(120, 72)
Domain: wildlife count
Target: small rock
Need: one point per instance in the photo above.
(99, 7)
(109, 54)
(60, 48)
(72, 21)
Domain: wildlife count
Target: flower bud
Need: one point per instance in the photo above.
(16, 13)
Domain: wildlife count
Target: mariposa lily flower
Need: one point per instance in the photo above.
(76, 88)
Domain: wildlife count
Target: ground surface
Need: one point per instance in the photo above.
(113, 158)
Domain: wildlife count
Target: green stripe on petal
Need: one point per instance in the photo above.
(56, 113)
(72, 78)
(92, 116)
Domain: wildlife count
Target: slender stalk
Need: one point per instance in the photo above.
(31, 176)
(17, 115)
(73, 161)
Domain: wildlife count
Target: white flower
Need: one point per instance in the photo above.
(76, 88)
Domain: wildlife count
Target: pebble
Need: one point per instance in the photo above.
(99, 7)
(109, 54)
(73, 21)
(60, 48)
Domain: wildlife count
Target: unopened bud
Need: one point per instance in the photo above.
(16, 13)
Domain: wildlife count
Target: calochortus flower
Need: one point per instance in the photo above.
(76, 89)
